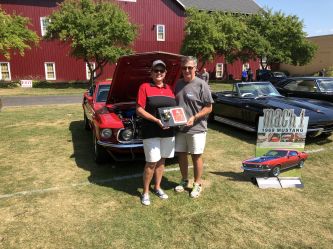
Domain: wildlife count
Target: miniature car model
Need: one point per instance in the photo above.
(274, 161)
(242, 107)
(110, 108)
(307, 87)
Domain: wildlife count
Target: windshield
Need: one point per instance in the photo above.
(103, 92)
(279, 74)
(326, 85)
(276, 153)
(256, 90)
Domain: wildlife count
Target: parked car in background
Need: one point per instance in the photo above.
(307, 87)
(244, 104)
(109, 109)
(271, 76)
(274, 161)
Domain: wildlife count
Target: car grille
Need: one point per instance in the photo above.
(251, 166)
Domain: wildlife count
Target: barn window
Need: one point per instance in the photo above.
(4, 71)
(50, 73)
(127, 1)
(160, 32)
(219, 70)
(93, 65)
(44, 21)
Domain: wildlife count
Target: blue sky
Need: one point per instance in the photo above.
(317, 15)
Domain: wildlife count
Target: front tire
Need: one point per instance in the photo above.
(276, 171)
(100, 154)
(301, 164)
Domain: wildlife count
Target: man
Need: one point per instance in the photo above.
(193, 94)
(205, 75)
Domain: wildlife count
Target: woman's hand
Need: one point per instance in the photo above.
(160, 124)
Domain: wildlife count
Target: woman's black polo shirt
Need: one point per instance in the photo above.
(150, 97)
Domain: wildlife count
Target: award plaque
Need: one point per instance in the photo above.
(172, 116)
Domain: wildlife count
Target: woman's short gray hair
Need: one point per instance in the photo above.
(186, 59)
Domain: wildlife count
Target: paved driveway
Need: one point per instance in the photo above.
(40, 100)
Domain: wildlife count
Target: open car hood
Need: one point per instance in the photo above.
(133, 70)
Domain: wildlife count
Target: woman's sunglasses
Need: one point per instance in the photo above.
(159, 70)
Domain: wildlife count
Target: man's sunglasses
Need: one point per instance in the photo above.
(187, 68)
(159, 70)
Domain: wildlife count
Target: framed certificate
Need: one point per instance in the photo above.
(172, 116)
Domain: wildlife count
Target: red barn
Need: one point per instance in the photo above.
(161, 25)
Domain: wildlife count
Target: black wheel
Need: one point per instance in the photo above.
(100, 154)
(86, 122)
(301, 164)
(276, 171)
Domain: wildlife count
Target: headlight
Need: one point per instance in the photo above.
(106, 133)
(126, 134)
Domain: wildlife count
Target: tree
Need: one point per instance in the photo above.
(15, 34)
(277, 38)
(201, 32)
(211, 34)
(233, 30)
(98, 31)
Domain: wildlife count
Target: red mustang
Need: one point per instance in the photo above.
(274, 161)
(109, 108)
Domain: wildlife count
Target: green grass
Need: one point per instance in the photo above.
(47, 148)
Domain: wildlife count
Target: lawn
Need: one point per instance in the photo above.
(53, 195)
(73, 89)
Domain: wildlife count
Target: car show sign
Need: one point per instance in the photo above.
(281, 129)
(26, 83)
(280, 149)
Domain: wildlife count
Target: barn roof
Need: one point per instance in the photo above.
(234, 6)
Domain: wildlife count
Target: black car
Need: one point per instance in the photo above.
(271, 76)
(307, 87)
(242, 107)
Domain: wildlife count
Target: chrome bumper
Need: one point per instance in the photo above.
(255, 169)
(119, 146)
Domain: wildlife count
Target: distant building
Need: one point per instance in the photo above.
(322, 59)
(161, 25)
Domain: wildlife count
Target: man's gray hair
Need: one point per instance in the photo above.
(186, 59)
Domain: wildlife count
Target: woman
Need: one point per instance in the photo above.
(158, 141)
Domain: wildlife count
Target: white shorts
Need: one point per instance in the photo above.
(191, 143)
(158, 147)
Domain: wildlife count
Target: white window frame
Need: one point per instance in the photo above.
(8, 66)
(54, 71)
(127, 1)
(43, 25)
(87, 70)
(158, 26)
(219, 70)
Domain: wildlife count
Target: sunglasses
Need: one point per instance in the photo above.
(187, 68)
(159, 70)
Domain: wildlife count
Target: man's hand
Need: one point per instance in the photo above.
(190, 122)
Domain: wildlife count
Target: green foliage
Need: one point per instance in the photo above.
(278, 38)
(15, 34)
(208, 35)
(98, 31)
(200, 31)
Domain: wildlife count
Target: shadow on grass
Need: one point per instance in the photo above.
(249, 137)
(121, 176)
(236, 176)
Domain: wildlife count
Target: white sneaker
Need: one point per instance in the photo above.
(181, 186)
(160, 193)
(145, 200)
(196, 190)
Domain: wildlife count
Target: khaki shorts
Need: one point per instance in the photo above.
(158, 147)
(191, 143)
